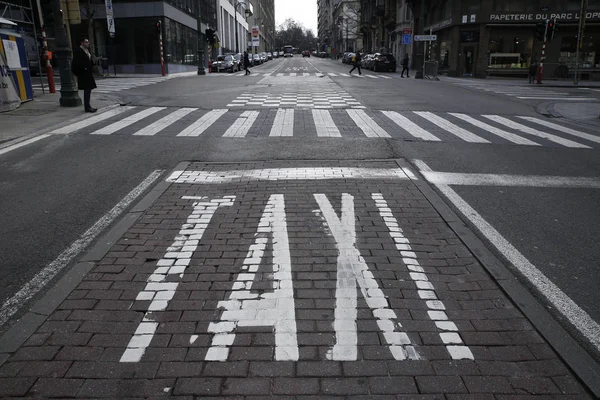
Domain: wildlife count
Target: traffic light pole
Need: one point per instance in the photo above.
(160, 43)
(69, 96)
(584, 4)
(541, 68)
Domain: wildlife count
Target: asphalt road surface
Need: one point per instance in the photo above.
(534, 182)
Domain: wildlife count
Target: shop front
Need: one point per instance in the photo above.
(491, 44)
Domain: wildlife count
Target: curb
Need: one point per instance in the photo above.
(583, 365)
(548, 110)
(37, 315)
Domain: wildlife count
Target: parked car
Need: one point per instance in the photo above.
(367, 61)
(269, 55)
(225, 63)
(306, 53)
(238, 60)
(384, 62)
(263, 57)
(256, 60)
(347, 58)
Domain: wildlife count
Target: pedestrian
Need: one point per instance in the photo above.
(246, 63)
(82, 67)
(532, 71)
(405, 66)
(356, 62)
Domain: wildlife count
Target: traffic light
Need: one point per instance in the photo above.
(157, 27)
(540, 30)
(210, 36)
(552, 29)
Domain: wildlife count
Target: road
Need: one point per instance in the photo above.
(528, 188)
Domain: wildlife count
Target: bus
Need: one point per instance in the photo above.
(288, 51)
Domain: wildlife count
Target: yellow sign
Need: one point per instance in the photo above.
(70, 11)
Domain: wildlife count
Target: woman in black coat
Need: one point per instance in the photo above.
(246, 62)
(82, 68)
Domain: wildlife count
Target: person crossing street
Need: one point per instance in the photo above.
(246, 63)
(356, 62)
(405, 66)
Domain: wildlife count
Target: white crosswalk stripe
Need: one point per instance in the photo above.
(324, 124)
(410, 127)
(348, 122)
(284, 123)
(451, 128)
(164, 122)
(111, 85)
(515, 125)
(242, 125)
(125, 122)
(366, 124)
(203, 123)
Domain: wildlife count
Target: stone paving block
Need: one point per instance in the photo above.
(392, 385)
(270, 369)
(50, 369)
(318, 369)
(225, 369)
(254, 386)
(15, 386)
(344, 386)
(48, 387)
(35, 353)
(440, 384)
(488, 384)
(295, 386)
(535, 385)
(120, 388)
(179, 369)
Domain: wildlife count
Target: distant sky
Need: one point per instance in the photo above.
(302, 11)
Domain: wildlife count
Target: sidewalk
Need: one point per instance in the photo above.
(37, 116)
(523, 82)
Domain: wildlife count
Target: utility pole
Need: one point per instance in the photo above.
(49, 71)
(584, 4)
(541, 68)
(69, 96)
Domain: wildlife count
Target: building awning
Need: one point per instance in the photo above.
(7, 22)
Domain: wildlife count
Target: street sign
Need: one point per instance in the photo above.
(110, 19)
(407, 31)
(255, 36)
(407, 38)
(425, 38)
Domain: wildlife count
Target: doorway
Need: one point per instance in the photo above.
(468, 61)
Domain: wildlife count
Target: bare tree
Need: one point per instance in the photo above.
(90, 8)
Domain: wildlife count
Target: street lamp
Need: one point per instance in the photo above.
(69, 96)
(248, 13)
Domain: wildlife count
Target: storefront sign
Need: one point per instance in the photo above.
(439, 25)
(407, 31)
(542, 17)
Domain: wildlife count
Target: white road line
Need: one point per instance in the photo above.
(331, 74)
(451, 128)
(279, 74)
(35, 284)
(284, 123)
(343, 74)
(384, 77)
(563, 303)
(292, 74)
(90, 121)
(324, 124)
(175, 261)
(242, 125)
(410, 127)
(162, 123)
(276, 174)
(424, 287)
(203, 123)
(125, 122)
(535, 132)
(564, 129)
(23, 143)
(559, 98)
(275, 309)
(366, 124)
(305, 74)
(511, 137)
(463, 179)
(370, 76)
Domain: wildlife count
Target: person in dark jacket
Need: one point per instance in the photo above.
(82, 68)
(533, 68)
(246, 62)
(356, 63)
(404, 66)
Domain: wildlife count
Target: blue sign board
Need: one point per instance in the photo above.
(407, 38)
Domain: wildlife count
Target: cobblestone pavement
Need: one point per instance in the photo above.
(328, 280)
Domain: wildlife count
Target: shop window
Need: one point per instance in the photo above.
(509, 50)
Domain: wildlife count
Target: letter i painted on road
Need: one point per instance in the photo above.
(352, 269)
(276, 308)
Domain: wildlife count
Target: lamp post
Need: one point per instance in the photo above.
(69, 96)
(235, 12)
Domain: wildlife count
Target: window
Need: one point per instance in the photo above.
(181, 43)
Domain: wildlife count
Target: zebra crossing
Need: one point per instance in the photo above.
(348, 123)
(365, 75)
(522, 92)
(110, 85)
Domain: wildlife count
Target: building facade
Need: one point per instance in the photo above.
(227, 13)
(497, 37)
(264, 19)
(325, 25)
(346, 18)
